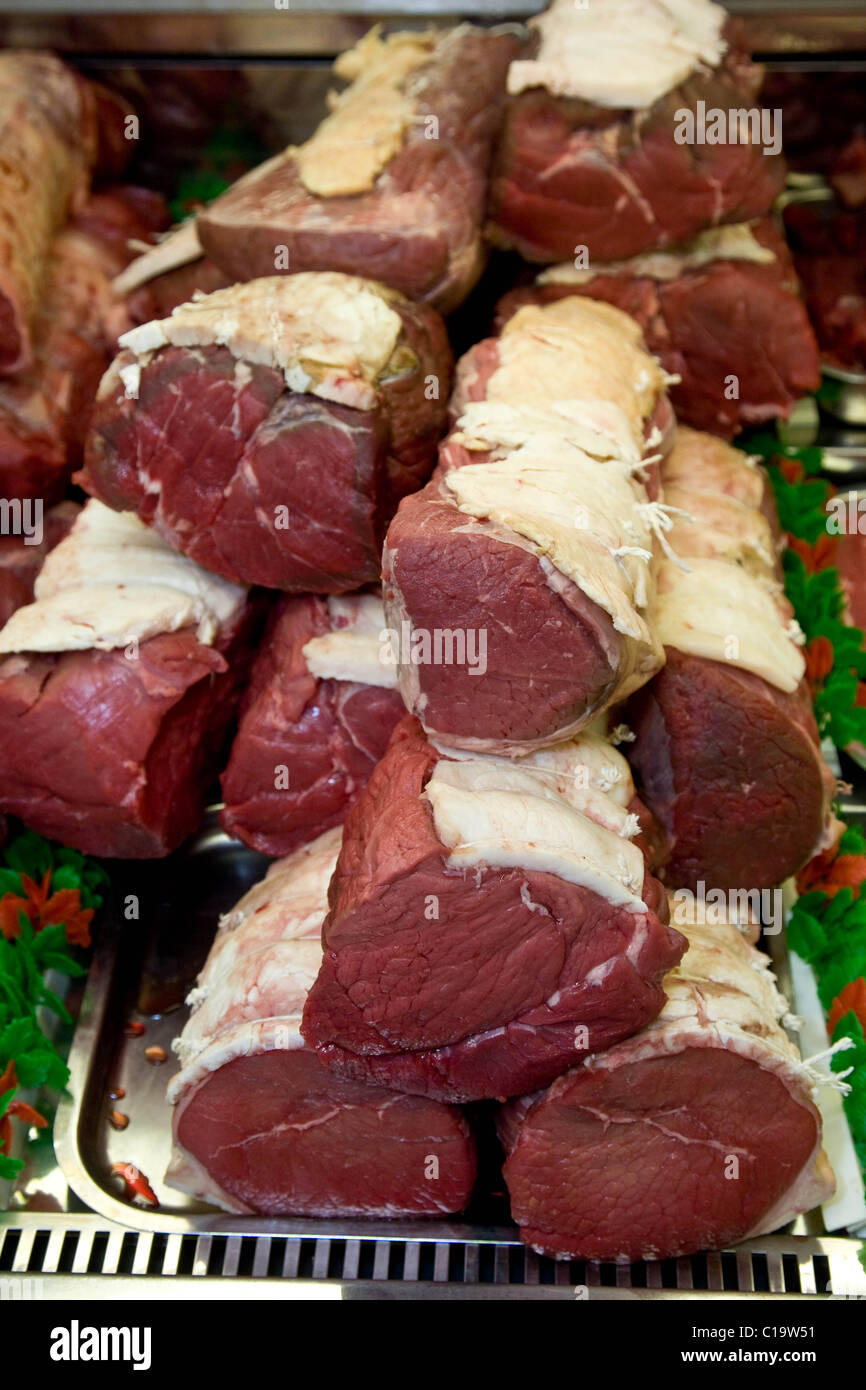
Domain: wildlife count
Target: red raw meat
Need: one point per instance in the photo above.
(554, 656)
(213, 447)
(44, 410)
(569, 173)
(260, 1125)
(20, 563)
(726, 318)
(418, 228)
(486, 999)
(328, 734)
(728, 762)
(695, 1134)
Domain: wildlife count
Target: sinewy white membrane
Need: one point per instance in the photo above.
(113, 581)
(356, 649)
(620, 53)
(329, 334)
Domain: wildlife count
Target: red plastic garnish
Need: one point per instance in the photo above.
(45, 909)
(134, 1030)
(829, 872)
(17, 1109)
(135, 1182)
(851, 999)
(819, 656)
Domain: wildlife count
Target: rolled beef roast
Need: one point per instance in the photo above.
(723, 314)
(393, 183)
(517, 583)
(259, 1124)
(48, 134)
(489, 918)
(608, 141)
(45, 409)
(829, 249)
(726, 753)
(269, 430)
(318, 714)
(117, 687)
(696, 1133)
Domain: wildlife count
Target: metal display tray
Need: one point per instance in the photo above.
(141, 971)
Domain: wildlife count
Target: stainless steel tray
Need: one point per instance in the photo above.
(849, 404)
(141, 971)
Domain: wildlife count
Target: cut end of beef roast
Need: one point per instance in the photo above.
(727, 754)
(393, 183)
(318, 714)
(731, 766)
(517, 583)
(697, 1133)
(269, 430)
(488, 918)
(159, 649)
(605, 145)
(259, 1124)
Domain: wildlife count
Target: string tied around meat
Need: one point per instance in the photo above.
(659, 517)
(835, 1080)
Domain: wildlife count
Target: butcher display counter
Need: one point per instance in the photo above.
(129, 1192)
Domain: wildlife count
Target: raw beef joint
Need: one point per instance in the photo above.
(48, 135)
(724, 314)
(318, 714)
(269, 430)
(518, 582)
(829, 246)
(45, 409)
(488, 918)
(726, 753)
(698, 1132)
(606, 143)
(392, 185)
(117, 687)
(259, 1124)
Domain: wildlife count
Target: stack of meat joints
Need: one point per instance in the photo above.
(263, 435)
(62, 243)
(503, 650)
(610, 167)
(496, 928)
(496, 909)
(578, 574)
